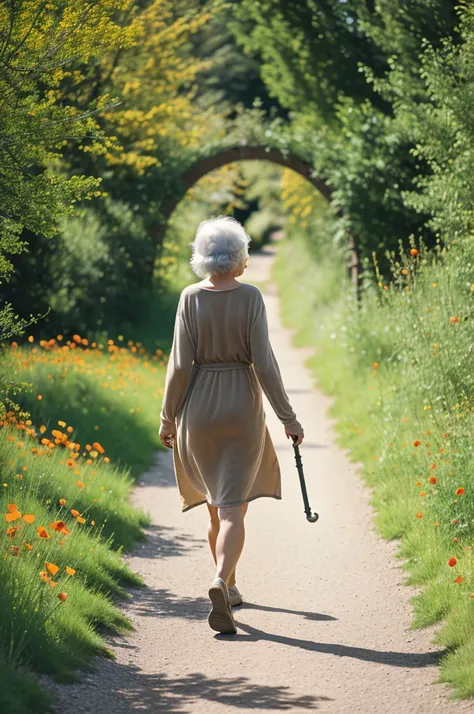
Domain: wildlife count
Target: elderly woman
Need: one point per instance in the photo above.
(212, 415)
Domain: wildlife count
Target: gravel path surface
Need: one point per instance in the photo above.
(325, 624)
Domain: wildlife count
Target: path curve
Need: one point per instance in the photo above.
(326, 622)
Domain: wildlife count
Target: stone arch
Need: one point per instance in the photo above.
(222, 157)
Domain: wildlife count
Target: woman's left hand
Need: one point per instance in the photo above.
(167, 439)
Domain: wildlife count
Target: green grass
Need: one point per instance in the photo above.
(102, 404)
(401, 371)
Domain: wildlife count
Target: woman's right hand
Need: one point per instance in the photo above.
(291, 436)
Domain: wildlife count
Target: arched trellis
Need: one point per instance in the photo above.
(207, 164)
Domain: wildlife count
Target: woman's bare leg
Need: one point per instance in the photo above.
(213, 529)
(230, 542)
(213, 532)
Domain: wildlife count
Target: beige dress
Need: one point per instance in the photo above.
(220, 361)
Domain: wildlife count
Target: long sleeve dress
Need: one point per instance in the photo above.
(221, 359)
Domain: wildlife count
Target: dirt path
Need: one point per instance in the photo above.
(326, 621)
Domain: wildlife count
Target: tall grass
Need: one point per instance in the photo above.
(88, 424)
(402, 371)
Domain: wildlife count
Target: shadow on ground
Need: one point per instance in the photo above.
(158, 693)
(166, 542)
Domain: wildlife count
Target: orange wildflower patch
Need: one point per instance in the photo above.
(42, 532)
(29, 518)
(70, 571)
(28, 546)
(454, 319)
(62, 596)
(459, 491)
(419, 514)
(79, 519)
(62, 501)
(416, 442)
(458, 580)
(414, 252)
(433, 480)
(80, 484)
(452, 562)
(98, 447)
(75, 513)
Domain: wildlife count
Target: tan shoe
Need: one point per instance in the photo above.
(220, 617)
(235, 598)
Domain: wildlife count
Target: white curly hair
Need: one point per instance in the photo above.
(220, 246)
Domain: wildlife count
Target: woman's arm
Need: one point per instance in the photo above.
(178, 375)
(268, 373)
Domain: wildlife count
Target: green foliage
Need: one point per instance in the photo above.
(400, 369)
(88, 395)
(366, 87)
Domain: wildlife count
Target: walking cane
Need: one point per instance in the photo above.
(311, 517)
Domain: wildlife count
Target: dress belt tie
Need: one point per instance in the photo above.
(221, 366)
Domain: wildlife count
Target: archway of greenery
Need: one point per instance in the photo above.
(205, 165)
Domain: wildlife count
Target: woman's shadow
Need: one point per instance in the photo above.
(393, 659)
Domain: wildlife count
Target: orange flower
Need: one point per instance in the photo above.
(29, 518)
(75, 513)
(375, 365)
(98, 447)
(433, 480)
(42, 428)
(80, 484)
(59, 526)
(106, 459)
(62, 501)
(70, 429)
(70, 571)
(52, 568)
(12, 507)
(422, 493)
(62, 596)
(40, 397)
(454, 320)
(62, 423)
(419, 484)
(414, 252)
(42, 532)
(76, 338)
(452, 562)
(419, 515)
(459, 491)
(52, 583)
(28, 546)
(80, 520)
(416, 443)
(44, 576)
(12, 516)
(458, 580)
(11, 531)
